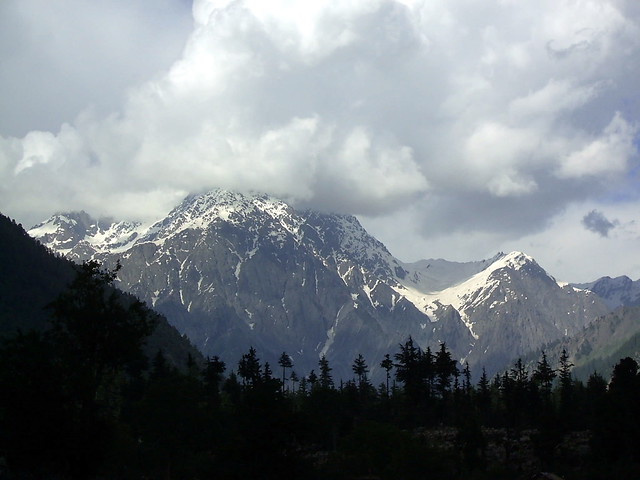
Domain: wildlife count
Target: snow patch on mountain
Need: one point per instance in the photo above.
(435, 275)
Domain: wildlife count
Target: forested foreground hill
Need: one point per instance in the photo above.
(72, 347)
(31, 277)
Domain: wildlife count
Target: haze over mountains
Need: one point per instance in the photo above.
(233, 270)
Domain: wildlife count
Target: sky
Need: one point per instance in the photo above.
(451, 128)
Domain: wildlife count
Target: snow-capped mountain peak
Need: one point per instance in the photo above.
(198, 212)
(343, 238)
(475, 290)
(65, 232)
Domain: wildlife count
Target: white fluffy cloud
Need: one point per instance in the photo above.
(487, 119)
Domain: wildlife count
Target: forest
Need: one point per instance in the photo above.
(80, 400)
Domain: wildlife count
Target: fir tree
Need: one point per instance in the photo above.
(212, 377)
(566, 390)
(387, 365)
(445, 368)
(312, 379)
(360, 369)
(285, 362)
(543, 376)
(409, 371)
(326, 380)
(249, 368)
(294, 379)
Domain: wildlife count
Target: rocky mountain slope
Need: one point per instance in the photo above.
(603, 342)
(233, 270)
(597, 347)
(511, 307)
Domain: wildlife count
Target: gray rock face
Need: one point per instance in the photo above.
(232, 270)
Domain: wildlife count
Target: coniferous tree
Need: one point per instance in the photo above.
(624, 393)
(294, 379)
(212, 377)
(285, 362)
(387, 365)
(268, 373)
(543, 376)
(302, 389)
(409, 371)
(428, 372)
(467, 387)
(549, 434)
(618, 427)
(564, 372)
(483, 397)
(249, 368)
(519, 405)
(566, 390)
(326, 380)
(360, 369)
(312, 379)
(446, 369)
(169, 423)
(624, 379)
(597, 405)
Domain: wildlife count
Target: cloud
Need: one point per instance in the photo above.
(477, 117)
(607, 154)
(59, 58)
(596, 222)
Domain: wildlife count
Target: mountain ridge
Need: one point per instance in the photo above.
(231, 270)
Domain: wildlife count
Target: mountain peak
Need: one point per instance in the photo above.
(79, 235)
(199, 211)
(515, 260)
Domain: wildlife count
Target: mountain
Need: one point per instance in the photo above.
(511, 307)
(599, 346)
(616, 292)
(603, 342)
(32, 277)
(232, 270)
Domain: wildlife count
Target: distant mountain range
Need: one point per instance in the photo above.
(616, 292)
(232, 270)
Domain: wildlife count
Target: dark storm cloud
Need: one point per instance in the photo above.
(595, 221)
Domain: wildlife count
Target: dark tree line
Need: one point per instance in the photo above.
(81, 401)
